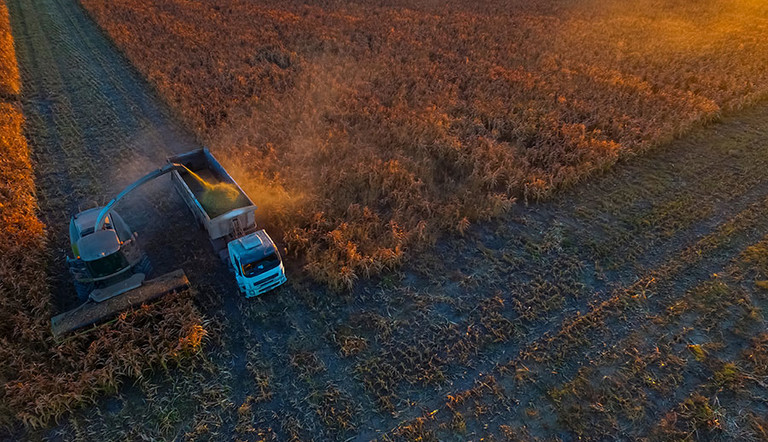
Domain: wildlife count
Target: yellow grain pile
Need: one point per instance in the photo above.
(216, 198)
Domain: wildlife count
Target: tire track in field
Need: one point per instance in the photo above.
(672, 277)
(624, 317)
(659, 289)
(51, 130)
(110, 83)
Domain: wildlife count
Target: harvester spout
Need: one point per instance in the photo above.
(146, 178)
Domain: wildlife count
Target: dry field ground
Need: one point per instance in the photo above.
(631, 305)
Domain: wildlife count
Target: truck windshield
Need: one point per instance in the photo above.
(254, 268)
(107, 265)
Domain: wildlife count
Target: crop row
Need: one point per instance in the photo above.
(365, 130)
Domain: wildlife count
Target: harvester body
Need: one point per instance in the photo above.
(110, 271)
(107, 262)
(108, 266)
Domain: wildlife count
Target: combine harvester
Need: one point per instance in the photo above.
(110, 269)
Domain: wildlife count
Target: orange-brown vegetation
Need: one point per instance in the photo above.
(9, 72)
(364, 128)
(41, 379)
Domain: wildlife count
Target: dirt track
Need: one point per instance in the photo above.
(95, 126)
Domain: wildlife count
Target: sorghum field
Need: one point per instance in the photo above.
(367, 128)
(502, 220)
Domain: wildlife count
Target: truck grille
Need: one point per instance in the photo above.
(267, 285)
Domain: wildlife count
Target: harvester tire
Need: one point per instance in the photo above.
(144, 266)
(83, 290)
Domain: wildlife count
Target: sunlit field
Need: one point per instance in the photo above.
(367, 129)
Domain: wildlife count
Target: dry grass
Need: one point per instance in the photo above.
(9, 72)
(41, 379)
(23, 290)
(363, 130)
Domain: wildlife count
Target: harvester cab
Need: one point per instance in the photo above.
(107, 262)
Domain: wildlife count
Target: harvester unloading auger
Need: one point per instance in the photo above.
(110, 269)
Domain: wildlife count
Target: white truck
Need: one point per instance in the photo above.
(231, 225)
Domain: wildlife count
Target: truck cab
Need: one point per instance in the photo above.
(256, 263)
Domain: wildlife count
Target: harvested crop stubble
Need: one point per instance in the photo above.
(364, 128)
(41, 379)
